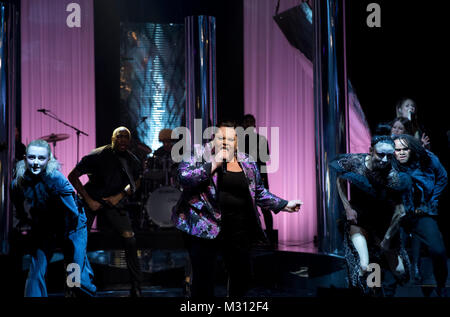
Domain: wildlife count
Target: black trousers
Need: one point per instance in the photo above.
(120, 222)
(425, 229)
(267, 213)
(268, 218)
(203, 256)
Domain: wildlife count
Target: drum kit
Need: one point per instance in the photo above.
(160, 191)
(53, 138)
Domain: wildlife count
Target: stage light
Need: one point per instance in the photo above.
(296, 25)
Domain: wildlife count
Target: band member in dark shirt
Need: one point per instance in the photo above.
(256, 146)
(114, 175)
(165, 150)
(163, 158)
(20, 148)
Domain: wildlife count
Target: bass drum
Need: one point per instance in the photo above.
(160, 203)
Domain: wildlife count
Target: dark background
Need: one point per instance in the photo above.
(403, 58)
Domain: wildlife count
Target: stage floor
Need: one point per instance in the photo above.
(287, 269)
(290, 269)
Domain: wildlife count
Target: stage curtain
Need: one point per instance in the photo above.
(57, 73)
(278, 82)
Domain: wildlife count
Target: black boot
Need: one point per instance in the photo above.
(439, 292)
(134, 266)
(417, 277)
(135, 292)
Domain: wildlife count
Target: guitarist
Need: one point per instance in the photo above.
(114, 175)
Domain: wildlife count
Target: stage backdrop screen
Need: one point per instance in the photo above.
(152, 79)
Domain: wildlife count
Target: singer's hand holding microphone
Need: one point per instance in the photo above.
(411, 113)
(222, 156)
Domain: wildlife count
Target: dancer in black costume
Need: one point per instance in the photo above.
(380, 198)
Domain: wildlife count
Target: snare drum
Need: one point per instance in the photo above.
(160, 203)
(161, 170)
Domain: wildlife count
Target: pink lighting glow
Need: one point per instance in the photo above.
(278, 85)
(58, 74)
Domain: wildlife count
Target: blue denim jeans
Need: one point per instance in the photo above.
(75, 243)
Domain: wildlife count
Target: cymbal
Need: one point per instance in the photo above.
(51, 138)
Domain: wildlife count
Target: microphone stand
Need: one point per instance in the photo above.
(78, 131)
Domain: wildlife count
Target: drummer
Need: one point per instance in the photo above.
(165, 150)
(163, 154)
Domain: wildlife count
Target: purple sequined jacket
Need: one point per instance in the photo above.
(197, 212)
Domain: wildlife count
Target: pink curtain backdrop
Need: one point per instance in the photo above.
(58, 74)
(278, 83)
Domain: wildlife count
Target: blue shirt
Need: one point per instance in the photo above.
(429, 183)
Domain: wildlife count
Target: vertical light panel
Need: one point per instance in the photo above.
(152, 78)
(57, 73)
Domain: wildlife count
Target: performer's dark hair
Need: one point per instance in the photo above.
(406, 124)
(383, 129)
(227, 124)
(418, 152)
(249, 116)
(381, 138)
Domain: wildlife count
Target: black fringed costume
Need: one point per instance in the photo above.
(374, 196)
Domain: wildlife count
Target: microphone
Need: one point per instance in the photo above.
(224, 163)
(410, 114)
(224, 166)
(42, 110)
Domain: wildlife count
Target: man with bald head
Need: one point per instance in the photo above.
(114, 174)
